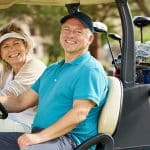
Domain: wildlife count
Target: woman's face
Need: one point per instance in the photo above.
(13, 51)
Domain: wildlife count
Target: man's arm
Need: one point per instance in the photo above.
(19, 103)
(69, 121)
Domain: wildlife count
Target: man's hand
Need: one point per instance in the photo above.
(28, 139)
(64, 125)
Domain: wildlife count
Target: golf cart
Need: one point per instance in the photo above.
(132, 125)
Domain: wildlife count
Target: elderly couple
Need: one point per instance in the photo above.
(68, 94)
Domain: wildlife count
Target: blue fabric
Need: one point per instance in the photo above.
(61, 84)
(8, 140)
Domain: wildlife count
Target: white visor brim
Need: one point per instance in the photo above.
(11, 35)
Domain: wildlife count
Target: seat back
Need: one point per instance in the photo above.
(111, 111)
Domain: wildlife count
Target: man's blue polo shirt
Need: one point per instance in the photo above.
(63, 83)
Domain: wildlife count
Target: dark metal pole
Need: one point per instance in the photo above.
(141, 28)
(128, 54)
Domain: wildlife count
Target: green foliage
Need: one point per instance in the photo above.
(46, 20)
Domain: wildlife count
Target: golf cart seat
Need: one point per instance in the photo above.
(108, 119)
(141, 21)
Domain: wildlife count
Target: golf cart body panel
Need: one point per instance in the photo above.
(133, 129)
(134, 126)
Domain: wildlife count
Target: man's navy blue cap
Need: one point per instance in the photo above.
(83, 18)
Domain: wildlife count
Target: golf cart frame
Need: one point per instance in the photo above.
(133, 128)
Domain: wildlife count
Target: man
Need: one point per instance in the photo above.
(69, 95)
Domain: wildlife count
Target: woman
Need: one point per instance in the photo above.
(19, 71)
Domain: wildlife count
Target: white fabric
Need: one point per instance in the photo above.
(27, 75)
(10, 125)
(110, 113)
(25, 117)
(11, 35)
(8, 79)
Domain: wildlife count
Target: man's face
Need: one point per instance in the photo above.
(75, 37)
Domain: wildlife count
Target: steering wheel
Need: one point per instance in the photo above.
(3, 112)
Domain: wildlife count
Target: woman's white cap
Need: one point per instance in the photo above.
(11, 35)
(18, 36)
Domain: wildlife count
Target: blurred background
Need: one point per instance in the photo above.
(42, 24)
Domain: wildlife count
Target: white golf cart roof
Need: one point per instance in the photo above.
(7, 3)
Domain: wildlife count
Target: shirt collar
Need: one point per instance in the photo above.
(78, 60)
(81, 58)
